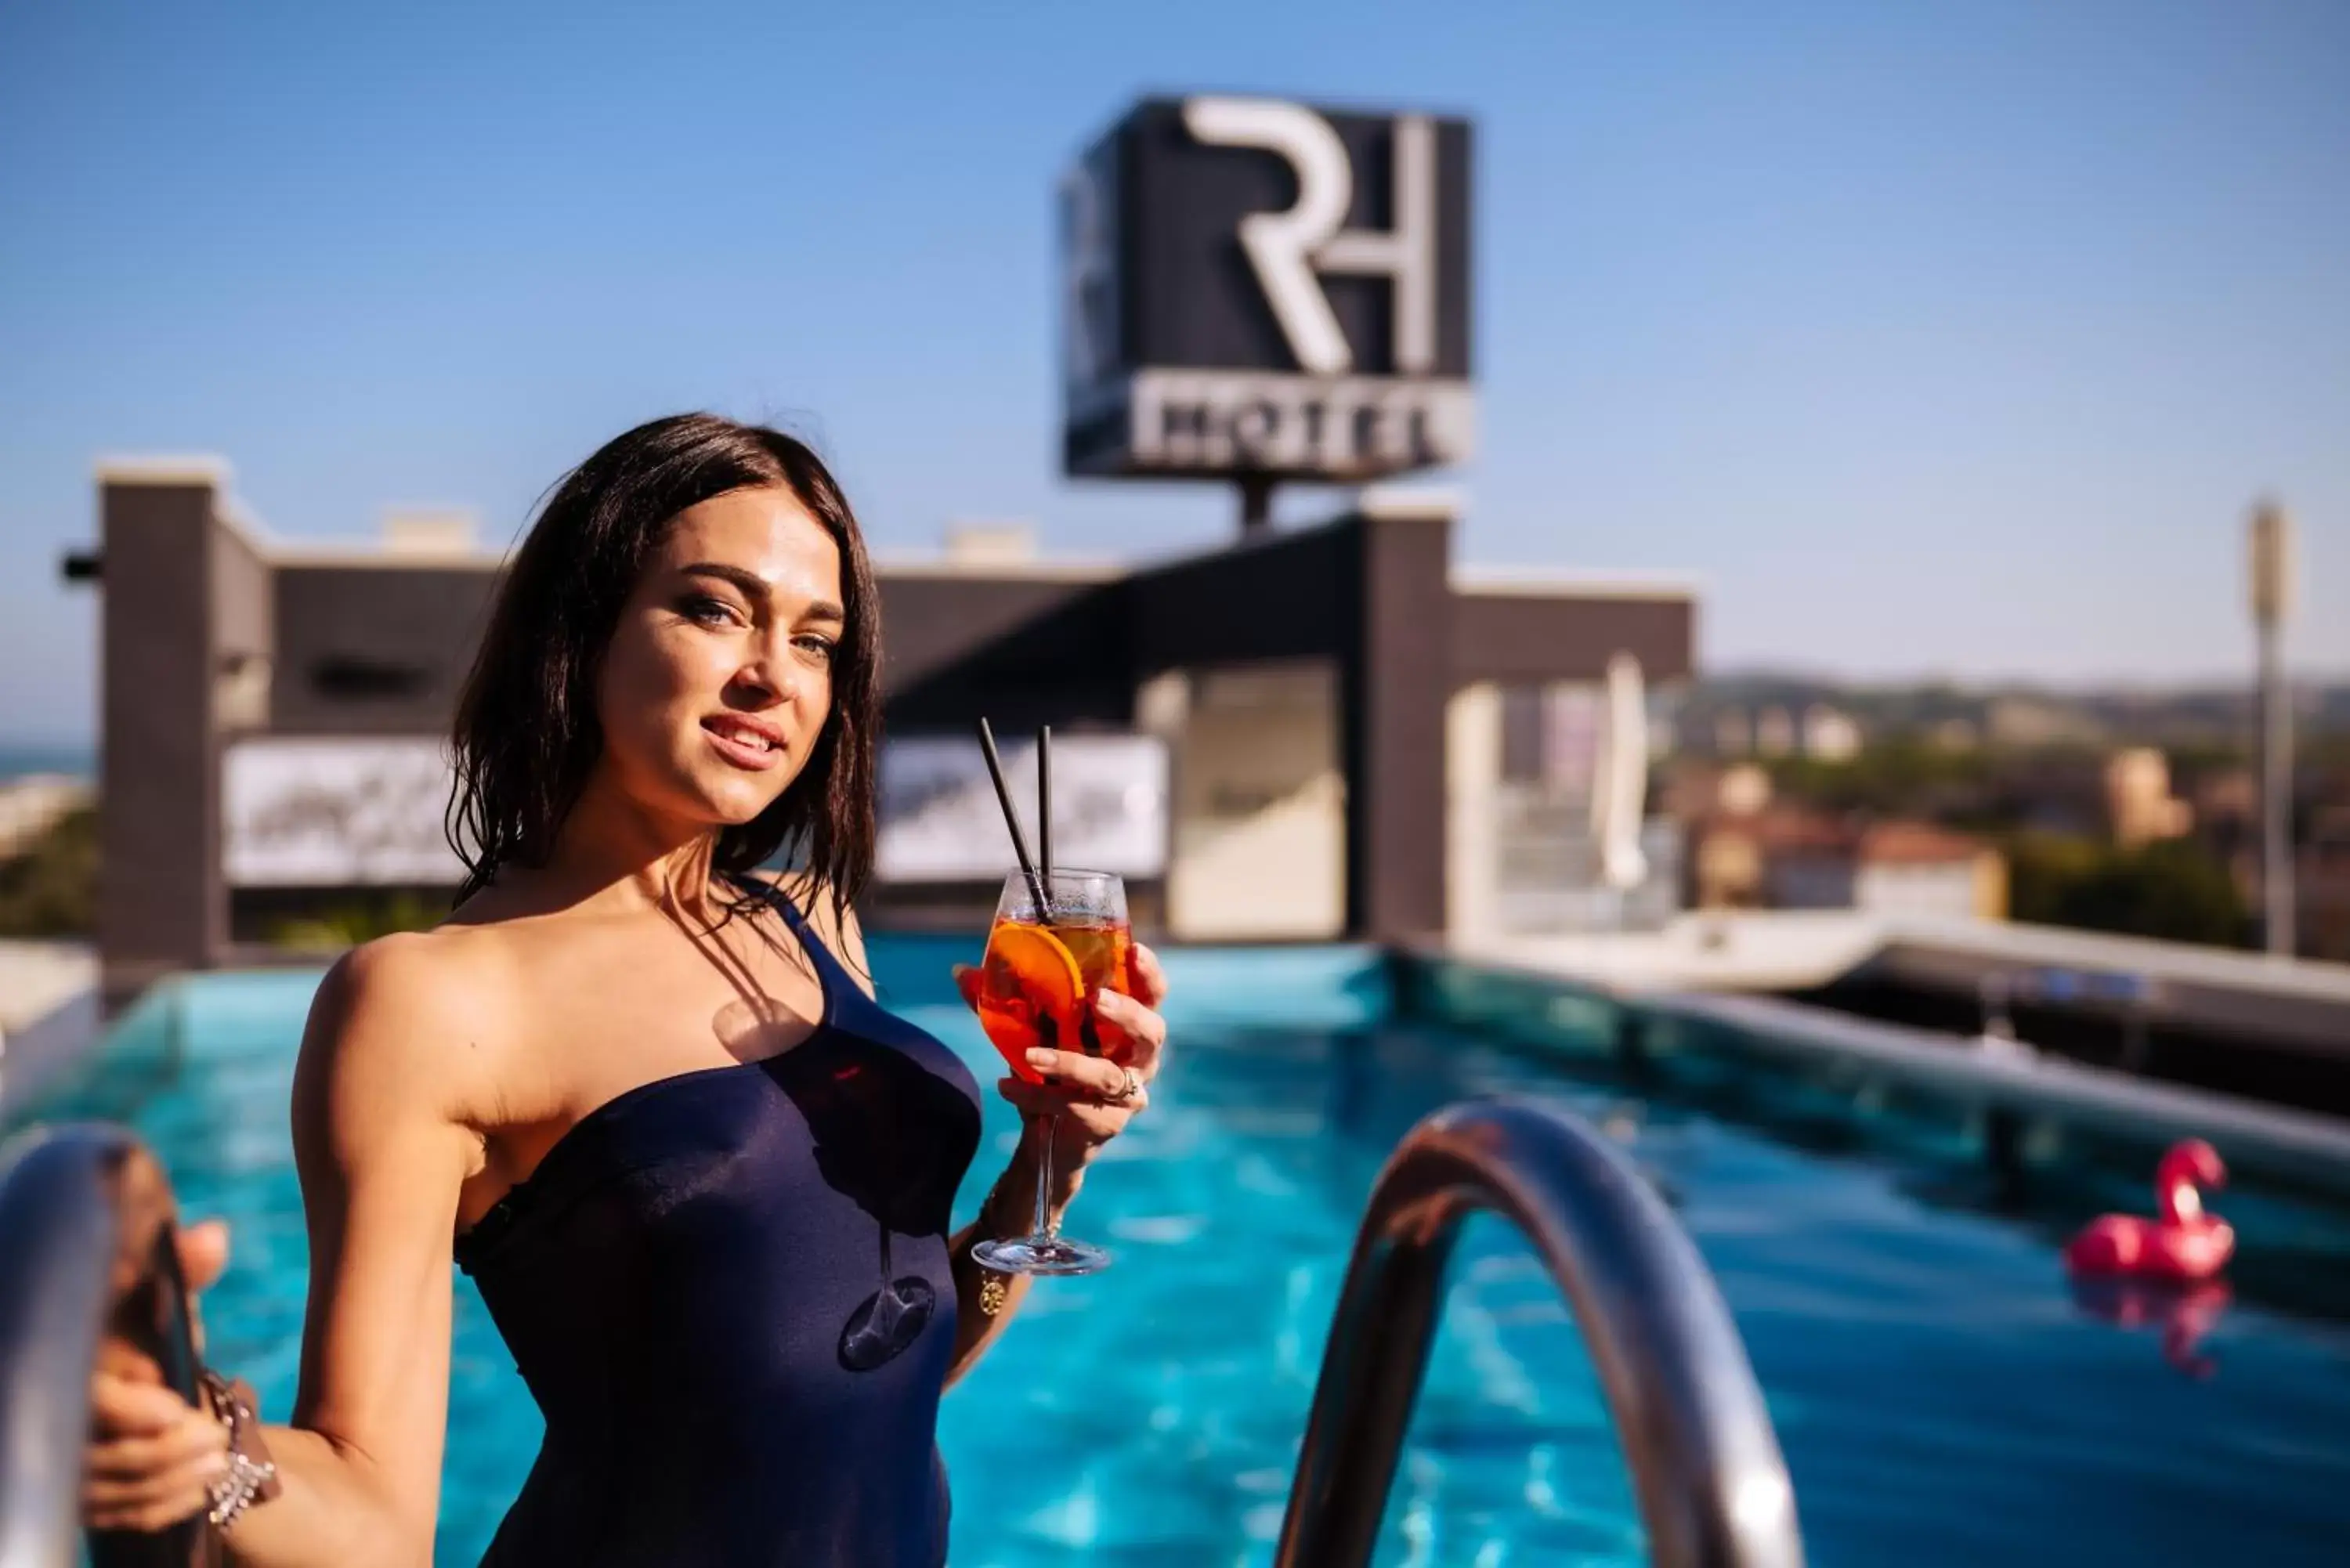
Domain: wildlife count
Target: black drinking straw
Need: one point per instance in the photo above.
(1044, 805)
(1012, 819)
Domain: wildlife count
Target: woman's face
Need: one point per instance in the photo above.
(719, 675)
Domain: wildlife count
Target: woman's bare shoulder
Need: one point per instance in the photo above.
(452, 970)
(413, 1017)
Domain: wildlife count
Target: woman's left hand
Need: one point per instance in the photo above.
(1095, 1096)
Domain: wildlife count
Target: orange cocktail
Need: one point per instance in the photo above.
(1059, 940)
(1038, 982)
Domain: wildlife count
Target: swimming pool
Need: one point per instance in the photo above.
(1941, 1396)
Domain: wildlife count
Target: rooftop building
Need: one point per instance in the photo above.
(1286, 737)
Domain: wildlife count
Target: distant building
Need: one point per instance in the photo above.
(1788, 858)
(1803, 861)
(1917, 868)
(2029, 722)
(1743, 791)
(2222, 792)
(2139, 802)
(1726, 869)
(1725, 809)
(1830, 734)
(1890, 868)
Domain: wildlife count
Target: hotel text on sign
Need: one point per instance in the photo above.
(1255, 286)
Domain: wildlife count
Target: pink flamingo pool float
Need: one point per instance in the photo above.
(2183, 1245)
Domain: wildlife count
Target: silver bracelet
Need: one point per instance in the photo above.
(235, 1492)
(252, 1474)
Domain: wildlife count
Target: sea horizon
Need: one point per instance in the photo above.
(74, 759)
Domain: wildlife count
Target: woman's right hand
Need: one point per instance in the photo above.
(153, 1457)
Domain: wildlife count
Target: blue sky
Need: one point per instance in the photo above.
(1951, 338)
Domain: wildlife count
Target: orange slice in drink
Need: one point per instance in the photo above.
(1032, 995)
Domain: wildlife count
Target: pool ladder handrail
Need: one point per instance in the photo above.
(88, 1248)
(1712, 1484)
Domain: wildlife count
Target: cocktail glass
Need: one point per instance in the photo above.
(1043, 969)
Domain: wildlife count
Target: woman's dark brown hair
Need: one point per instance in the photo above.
(527, 736)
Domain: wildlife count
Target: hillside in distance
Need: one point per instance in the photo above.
(2203, 718)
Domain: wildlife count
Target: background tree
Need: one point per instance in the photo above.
(51, 889)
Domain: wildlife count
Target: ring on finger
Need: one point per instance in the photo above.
(1128, 1088)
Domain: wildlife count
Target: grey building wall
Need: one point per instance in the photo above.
(383, 648)
(933, 621)
(1287, 597)
(1395, 677)
(375, 648)
(243, 632)
(1023, 650)
(160, 906)
(1525, 637)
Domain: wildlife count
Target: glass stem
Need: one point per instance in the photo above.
(1045, 1226)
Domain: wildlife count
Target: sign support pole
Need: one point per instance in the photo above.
(1256, 505)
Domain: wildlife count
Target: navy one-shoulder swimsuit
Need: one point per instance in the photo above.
(728, 1292)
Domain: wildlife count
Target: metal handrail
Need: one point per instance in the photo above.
(1712, 1487)
(88, 1249)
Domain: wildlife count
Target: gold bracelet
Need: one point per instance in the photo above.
(994, 1288)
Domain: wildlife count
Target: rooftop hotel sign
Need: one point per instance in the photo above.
(1255, 287)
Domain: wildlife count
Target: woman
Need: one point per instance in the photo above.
(641, 1092)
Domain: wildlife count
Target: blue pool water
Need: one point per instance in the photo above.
(1941, 1394)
